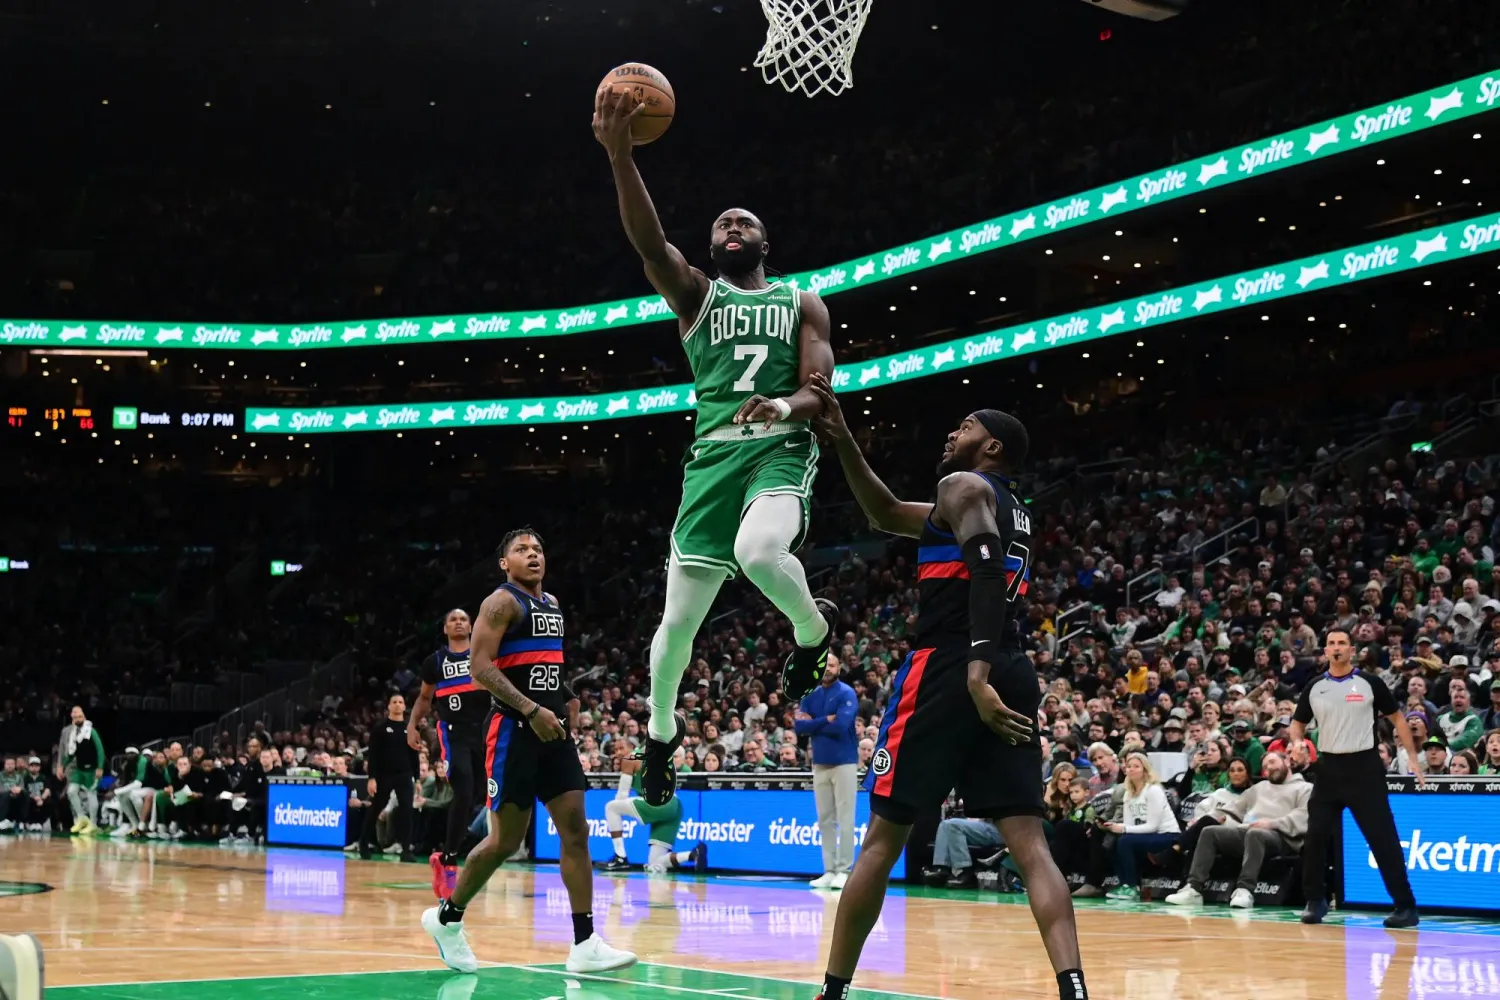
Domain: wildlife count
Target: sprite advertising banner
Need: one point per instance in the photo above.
(1310, 274)
(1346, 134)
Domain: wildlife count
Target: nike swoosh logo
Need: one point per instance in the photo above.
(978, 642)
(791, 444)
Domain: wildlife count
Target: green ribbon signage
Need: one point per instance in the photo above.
(1237, 291)
(1351, 132)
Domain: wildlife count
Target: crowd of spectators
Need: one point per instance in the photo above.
(425, 232)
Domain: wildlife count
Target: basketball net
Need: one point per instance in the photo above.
(810, 43)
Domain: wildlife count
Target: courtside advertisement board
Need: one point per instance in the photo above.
(1451, 840)
(771, 832)
(307, 815)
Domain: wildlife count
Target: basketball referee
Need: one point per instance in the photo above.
(1345, 705)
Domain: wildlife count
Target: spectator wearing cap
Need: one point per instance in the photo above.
(1268, 820)
(1243, 744)
(37, 805)
(1461, 726)
(1491, 716)
(1172, 739)
(1241, 653)
(1434, 758)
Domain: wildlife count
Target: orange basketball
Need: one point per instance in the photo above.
(649, 87)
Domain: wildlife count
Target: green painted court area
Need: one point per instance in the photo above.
(511, 982)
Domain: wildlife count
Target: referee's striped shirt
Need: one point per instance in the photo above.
(1344, 710)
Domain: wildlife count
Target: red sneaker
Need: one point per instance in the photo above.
(444, 877)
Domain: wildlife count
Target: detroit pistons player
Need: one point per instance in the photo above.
(951, 721)
(461, 707)
(516, 654)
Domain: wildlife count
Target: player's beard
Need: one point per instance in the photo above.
(737, 262)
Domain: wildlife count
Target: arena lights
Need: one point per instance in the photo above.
(1333, 137)
(1425, 248)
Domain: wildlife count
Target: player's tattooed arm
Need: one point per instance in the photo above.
(882, 509)
(966, 503)
(681, 284)
(499, 612)
(816, 358)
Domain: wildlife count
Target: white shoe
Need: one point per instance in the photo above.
(1186, 896)
(6, 825)
(393, 849)
(119, 831)
(452, 943)
(823, 881)
(840, 879)
(596, 956)
(660, 869)
(1242, 899)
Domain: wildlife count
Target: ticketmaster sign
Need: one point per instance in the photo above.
(1450, 102)
(1310, 274)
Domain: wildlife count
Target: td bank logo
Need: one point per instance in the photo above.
(125, 418)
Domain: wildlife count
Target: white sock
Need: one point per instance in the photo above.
(763, 548)
(619, 843)
(659, 853)
(683, 857)
(690, 593)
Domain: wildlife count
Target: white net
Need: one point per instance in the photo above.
(810, 43)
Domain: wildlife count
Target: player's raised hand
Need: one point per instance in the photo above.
(547, 726)
(613, 112)
(1000, 717)
(829, 423)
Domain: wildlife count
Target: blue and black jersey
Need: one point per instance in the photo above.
(943, 578)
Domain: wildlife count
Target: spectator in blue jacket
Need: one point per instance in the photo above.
(827, 715)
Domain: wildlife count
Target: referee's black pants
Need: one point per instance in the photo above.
(402, 784)
(1356, 780)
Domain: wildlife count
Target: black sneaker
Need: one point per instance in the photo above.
(1315, 911)
(963, 878)
(614, 864)
(803, 670)
(700, 858)
(936, 875)
(1403, 916)
(658, 773)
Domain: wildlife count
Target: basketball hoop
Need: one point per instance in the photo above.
(810, 43)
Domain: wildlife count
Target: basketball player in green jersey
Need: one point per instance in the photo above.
(748, 474)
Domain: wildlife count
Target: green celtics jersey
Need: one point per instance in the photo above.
(743, 343)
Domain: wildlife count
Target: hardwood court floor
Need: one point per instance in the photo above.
(161, 921)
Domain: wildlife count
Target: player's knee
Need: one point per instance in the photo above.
(758, 556)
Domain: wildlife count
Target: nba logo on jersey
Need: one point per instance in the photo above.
(984, 551)
(546, 623)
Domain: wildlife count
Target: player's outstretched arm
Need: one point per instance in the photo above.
(815, 357)
(681, 284)
(419, 710)
(882, 509)
(967, 505)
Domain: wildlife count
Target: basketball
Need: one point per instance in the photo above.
(648, 86)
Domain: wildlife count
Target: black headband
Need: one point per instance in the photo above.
(992, 422)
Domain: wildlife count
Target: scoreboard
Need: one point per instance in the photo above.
(63, 419)
(49, 418)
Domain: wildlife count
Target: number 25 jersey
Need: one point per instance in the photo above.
(531, 653)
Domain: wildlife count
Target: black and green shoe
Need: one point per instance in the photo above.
(803, 670)
(658, 772)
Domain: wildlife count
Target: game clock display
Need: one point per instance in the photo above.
(49, 418)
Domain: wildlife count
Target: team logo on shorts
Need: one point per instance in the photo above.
(492, 788)
(882, 761)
